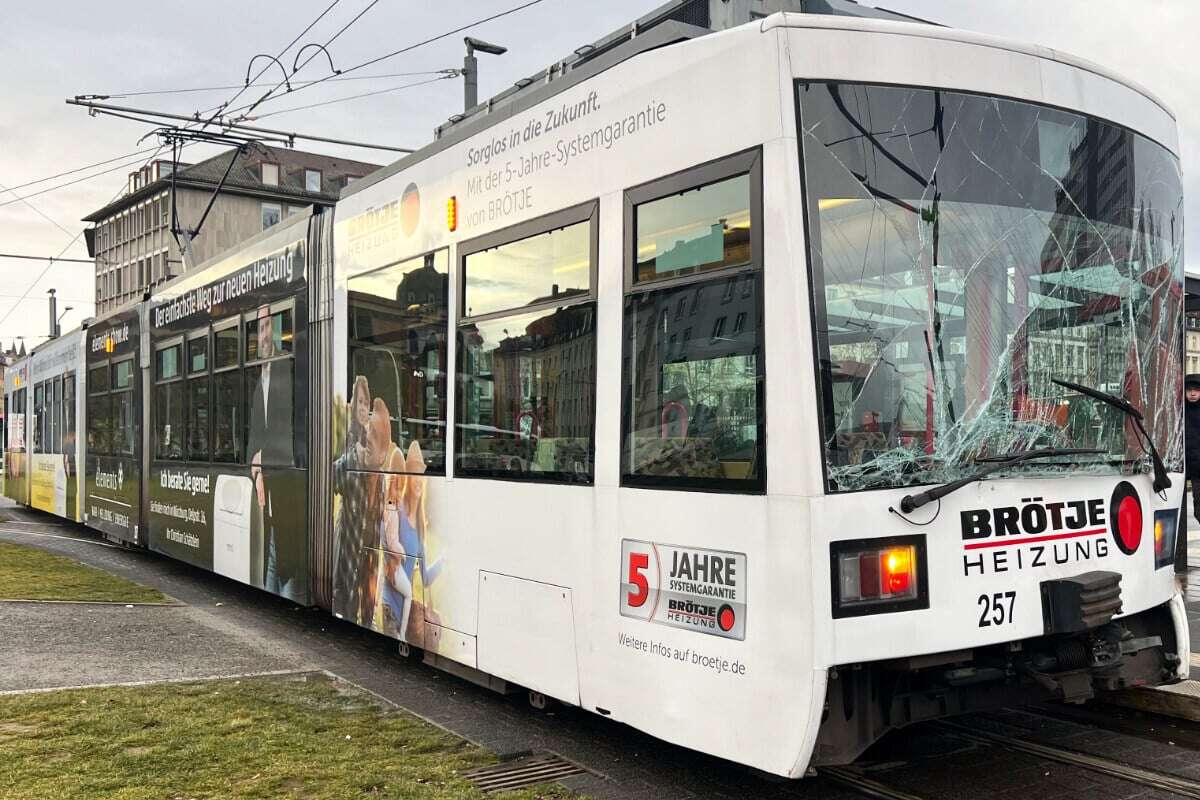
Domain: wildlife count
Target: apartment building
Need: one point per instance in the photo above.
(131, 238)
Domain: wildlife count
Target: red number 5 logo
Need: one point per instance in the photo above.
(637, 563)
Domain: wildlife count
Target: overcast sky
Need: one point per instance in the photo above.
(53, 50)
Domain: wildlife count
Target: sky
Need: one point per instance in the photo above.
(59, 49)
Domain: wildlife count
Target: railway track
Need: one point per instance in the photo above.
(1184, 787)
(1130, 722)
(869, 787)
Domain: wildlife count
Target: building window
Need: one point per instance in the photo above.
(693, 409)
(398, 355)
(312, 180)
(270, 174)
(526, 366)
(271, 214)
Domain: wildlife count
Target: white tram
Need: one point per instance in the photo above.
(714, 386)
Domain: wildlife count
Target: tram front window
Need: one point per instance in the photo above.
(966, 251)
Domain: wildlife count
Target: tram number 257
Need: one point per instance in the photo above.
(996, 608)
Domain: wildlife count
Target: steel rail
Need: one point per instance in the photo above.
(870, 787)
(1185, 787)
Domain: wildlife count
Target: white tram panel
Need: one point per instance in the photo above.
(669, 101)
(757, 700)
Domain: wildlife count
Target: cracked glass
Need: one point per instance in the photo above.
(967, 250)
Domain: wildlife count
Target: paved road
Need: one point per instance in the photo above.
(221, 627)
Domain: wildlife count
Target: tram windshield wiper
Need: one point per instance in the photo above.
(1161, 480)
(911, 502)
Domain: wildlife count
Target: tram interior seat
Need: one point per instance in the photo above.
(679, 457)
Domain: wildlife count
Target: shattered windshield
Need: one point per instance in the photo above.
(965, 251)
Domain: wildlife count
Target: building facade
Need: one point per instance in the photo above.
(131, 238)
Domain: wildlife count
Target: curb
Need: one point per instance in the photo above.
(1180, 700)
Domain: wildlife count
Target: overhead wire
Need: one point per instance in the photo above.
(196, 90)
(409, 48)
(35, 209)
(81, 169)
(263, 71)
(351, 97)
(150, 149)
(155, 152)
(58, 186)
(44, 258)
(307, 61)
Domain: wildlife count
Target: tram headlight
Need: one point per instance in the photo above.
(1166, 529)
(877, 576)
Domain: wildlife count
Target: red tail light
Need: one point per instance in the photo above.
(878, 576)
(1166, 532)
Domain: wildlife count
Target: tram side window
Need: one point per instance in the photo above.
(18, 440)
(527, 374)
(54, 398)
(197, 401)
(68, 413)
(168, 403)
(39, 413)
(398, 355)
(123, 430)
(693, 411)
(227, 393)
(99, 410)
(269, 387)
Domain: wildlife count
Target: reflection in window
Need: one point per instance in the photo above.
(548, 266)
(198, 354)
(694, 410)
(968, 250)
(166, 362)
(168, 404)
(197, 429)
(527, 395)
(227, 416)
(398, 349)
(168, 414)
(122, 374)
(269, 334)
(225, 347)
(694, 231)
(123, 428)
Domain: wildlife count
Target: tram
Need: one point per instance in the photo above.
(764, 390)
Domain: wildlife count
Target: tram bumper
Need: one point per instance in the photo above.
(1069, 664)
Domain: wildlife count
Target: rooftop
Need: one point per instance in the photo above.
(246, 176)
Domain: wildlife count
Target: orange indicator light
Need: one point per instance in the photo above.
(452, 213)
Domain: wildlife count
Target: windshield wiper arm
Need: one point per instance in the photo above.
(911, 502)
(1161, 480)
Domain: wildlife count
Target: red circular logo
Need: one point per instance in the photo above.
(726, 618)
(1125, 517)
(410, 209)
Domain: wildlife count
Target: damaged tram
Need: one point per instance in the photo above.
(763, 390)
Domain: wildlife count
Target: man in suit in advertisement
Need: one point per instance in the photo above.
(269, 444)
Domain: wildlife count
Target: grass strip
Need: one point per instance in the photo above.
(306, 737)
(27, 573)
